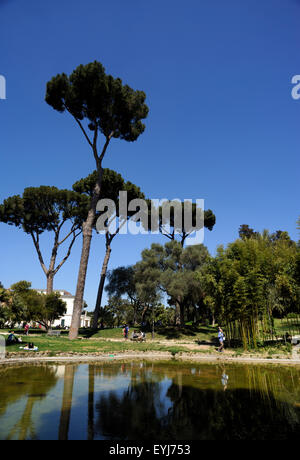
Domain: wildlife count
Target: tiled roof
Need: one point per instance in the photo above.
(65, 293)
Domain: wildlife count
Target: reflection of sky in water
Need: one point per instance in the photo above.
(44, 413)
(163, 403)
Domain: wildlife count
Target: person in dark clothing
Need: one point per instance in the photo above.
(12, 339)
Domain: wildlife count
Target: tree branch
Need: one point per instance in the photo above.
(73, 229)
(37, 247)
(80, 125)
(68, 253)
(105, 147)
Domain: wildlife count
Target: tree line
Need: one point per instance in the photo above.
(243, 287)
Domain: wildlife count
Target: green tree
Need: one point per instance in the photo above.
(180, 230)
(119, 310)
(30, 305)
(110, 108)
(47, 209)
(121, 283)
(171, 269)
(246, 232)
(5, 311)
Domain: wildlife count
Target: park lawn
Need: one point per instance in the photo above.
(166, 339)
(57, 345)
(189, 333)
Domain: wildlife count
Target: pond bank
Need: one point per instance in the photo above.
(194, 357)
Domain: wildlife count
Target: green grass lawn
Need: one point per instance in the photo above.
(112, 341)
(55, 345)
(188, 333)
(168, 339)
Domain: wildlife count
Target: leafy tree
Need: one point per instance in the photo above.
(124, 283)
(110, 108)
(210, 287)
(180, 231)
(246, 232)
(47, 209)
(29, 305)
(119, 310)
(5, 311)
(170, 269)
(121, 283)
(53, 308)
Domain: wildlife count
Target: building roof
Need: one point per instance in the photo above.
(62, 292)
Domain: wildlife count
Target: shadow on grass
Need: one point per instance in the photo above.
(88, 332)
(177, 332)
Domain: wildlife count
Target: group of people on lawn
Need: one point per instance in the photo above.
(139, 336)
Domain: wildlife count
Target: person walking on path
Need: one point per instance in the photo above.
(221, 338)
(26, 329)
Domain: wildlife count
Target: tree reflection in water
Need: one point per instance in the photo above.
(256, 411)
(150, 401)
(20, 382)
(65, 413)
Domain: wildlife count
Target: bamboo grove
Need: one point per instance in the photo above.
(250, 283)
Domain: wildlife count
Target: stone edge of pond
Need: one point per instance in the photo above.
(142, 355)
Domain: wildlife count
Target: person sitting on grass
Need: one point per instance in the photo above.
(12, 339)
(30, 347)
(134, 335)
(141, 336)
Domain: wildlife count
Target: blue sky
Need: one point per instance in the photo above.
(222, 124)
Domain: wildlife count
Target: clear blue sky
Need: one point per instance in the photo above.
(222, 124)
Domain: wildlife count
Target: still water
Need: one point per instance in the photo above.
(149, 401)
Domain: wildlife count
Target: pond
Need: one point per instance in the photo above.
(149, 401)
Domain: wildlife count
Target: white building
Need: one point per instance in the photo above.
(65, 321)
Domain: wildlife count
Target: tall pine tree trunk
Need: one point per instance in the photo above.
(87, 230)
(50, 278)
(101, 286)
